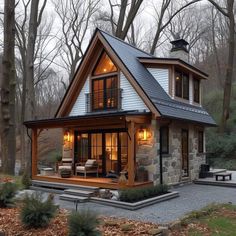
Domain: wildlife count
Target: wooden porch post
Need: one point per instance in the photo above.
(131, 152)
(34, 151)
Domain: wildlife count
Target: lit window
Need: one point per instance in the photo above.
(104, 65)
(181, 85)
(196, 90)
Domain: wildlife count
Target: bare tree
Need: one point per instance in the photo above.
(75, 17)
(7, 118)
(162, 23)
(229, 13)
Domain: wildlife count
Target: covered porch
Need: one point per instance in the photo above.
(109, 139)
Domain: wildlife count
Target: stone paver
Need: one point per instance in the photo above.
(192, 197)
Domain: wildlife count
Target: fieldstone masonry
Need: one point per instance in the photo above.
(147, 154)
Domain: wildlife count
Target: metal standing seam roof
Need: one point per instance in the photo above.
(165, 105)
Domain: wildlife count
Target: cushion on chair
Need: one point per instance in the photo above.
(64, 167)
(91, 163)
(66, 160)
(80, 168)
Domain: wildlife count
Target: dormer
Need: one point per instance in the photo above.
(180, 80)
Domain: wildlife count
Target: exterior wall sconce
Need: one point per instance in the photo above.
(67, 137)
(144, 134)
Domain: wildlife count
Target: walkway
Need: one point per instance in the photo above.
(192, 197)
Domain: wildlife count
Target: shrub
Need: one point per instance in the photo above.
(83, 223)
(7, 193)
(26, 181)
(36, 212)
(134, 195)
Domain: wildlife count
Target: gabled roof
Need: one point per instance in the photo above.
(165, 105)
(130, 56)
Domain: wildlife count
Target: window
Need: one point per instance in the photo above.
(200, 141)
(104, 65)
(196, 90)
(164, 140)
(181, 85)
(104, 93)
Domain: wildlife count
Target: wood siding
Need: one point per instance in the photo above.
(79, 107)
(162, 77)
(130, 98)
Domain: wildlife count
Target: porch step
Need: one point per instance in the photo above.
(62, 186)
(43, 189)
(80, 193)
(72, 198)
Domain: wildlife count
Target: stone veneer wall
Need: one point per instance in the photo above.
(172, 163)
(147, 154)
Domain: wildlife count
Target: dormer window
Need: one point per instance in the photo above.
(196, 90)
(181, 85)
(105, 94)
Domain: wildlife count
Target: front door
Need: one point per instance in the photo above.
(185, 169)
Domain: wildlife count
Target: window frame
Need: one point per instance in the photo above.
(194, 94)
(200, 141)
(167, 139)
(184, 93)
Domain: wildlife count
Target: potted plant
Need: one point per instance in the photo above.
(65, 173)
(142, 174)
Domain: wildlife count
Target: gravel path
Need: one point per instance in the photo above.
(192, 197)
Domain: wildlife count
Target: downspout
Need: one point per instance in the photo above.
(160, 153)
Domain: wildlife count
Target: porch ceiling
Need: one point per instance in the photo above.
(111, 119)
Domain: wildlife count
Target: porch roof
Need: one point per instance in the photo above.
(90, 121)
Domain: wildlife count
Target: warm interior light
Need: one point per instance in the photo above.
(104, 69)
(67, 136)
(177, 77)
(143, 134)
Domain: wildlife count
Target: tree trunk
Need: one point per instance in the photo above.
(8, 136)
(229, 69)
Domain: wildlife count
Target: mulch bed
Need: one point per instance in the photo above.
(11, 225)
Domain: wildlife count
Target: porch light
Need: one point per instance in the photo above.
(144, 134)
(67, 136)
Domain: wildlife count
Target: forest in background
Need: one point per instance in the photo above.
(49, 39)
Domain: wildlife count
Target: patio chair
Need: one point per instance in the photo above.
(66, 164)
(91, 166)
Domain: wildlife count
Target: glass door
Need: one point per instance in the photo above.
(97, 149)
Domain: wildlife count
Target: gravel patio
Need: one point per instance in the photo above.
(192, 197)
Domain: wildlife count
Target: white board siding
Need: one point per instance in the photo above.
(161, 76)
(130, 98)
(191, 89)
(79, 107)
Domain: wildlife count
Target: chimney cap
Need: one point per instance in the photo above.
(179, 44)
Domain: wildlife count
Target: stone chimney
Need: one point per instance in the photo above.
(179, 49)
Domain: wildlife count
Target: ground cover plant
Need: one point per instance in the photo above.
(138, 194)
(7, 194)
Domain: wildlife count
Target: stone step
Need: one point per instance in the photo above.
(78, 192)
(62, 186)
(43, 189)
(72, 198)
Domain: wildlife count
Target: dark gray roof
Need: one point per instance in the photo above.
(165, 105)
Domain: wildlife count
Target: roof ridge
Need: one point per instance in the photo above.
(122, 41)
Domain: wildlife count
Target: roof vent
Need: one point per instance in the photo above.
(179, 49)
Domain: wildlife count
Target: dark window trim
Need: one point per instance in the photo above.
(200, 141)
(196, 97)
(104, 108)
(182, 75)
(161, 136)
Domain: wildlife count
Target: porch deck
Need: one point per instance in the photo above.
(89, 181)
